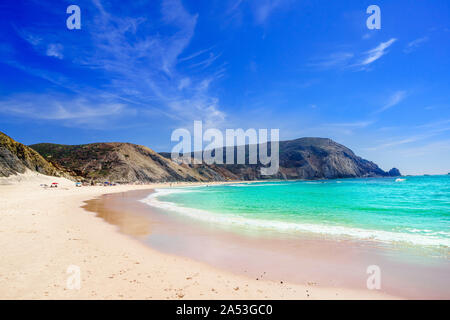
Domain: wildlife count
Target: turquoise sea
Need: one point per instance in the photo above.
(413, 210)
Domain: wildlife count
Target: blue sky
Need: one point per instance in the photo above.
(137, 70)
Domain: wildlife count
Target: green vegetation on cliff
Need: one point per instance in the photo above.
(17, 158)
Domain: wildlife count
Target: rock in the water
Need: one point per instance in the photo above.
(394, 172)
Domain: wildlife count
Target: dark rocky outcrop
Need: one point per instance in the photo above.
(394, 172)
(321, 158)
(305, 158)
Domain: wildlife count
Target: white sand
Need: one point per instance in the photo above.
(44, 231)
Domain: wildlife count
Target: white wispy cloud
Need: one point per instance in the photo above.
(234, 5)
(139, 64)
(355, 124)
(174, 13)
(206, 62)
(260, 9)
(55, 50)
(184, 83)
(337, 59)
(339, 129)
(435, 147)
(411, 46)
(350, 60)
(376, 53)
(437, 127)
(32, 39)
(69, 111)
(395, 143)
(264, 9)
(393, 100)
(149, 63)
(194, 55)
(424, 132)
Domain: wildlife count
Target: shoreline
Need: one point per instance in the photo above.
(44, 231)
(339, 232)
(305, 259)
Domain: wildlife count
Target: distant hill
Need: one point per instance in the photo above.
(304, 158)
(307, 158)
(17, 158)
(118, 162)
(323, 158)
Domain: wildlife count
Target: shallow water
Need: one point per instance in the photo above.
(415, 211)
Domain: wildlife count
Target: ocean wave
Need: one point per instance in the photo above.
(230, 219)
(163, 192)
(248, 185)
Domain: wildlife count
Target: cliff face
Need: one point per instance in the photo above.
(119, 162)
(317, 158)
(305, 158)
(16, 158)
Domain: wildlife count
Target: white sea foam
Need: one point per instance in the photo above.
(248, 185)
(236, 220)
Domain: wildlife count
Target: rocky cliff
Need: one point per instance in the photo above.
(304, 158)
(17, 158)
(118, 162)
(319, 158)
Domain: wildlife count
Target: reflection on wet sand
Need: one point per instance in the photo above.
(124, 211)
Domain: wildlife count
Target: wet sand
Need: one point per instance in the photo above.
(305, 259)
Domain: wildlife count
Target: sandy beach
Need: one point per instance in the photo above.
(43, 231)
